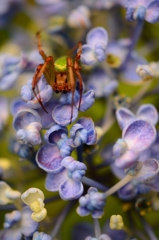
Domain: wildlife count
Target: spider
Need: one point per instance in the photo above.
(60, 74)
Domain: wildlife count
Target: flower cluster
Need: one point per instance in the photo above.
(79, 119)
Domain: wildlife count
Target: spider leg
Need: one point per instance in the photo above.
(77, 72)
(39, 71)
(40, 46)
(71, 81)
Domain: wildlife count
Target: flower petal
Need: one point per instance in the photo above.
(70, 190)
(54, 180)
(62, 114)
(124, 117)
(139, 135)
(148, 113)
(49, 159)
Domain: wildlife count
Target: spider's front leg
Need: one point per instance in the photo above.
(77, 69)
(41, 69)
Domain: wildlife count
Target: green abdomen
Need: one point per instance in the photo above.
(61, 64)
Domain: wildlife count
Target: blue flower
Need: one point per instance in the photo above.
(142, 9)
(41, 236)
(27, 124)
(83, 132)
(94, 50)
(11, 68)
(136, 137)
(68, 180)
(101, 237)
(116, 54)
(93, 202)
(57, 135)
(62, 112)
(43, 90)
(79, 17)
(18, 224)
(145, 112)
(100, 82)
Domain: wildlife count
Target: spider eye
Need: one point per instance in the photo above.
(56, 91)
(64, 91)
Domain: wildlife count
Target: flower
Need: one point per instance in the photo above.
(41, 236)
(18, 224)
(62, 112)
(68, 180)
(101, 84)
(8, 195)
(83, 132)
(93, 202)
(34, 198)
(139, 135)
(27, 123)
(146, 112)
(145, 72)
(11, 68)
(43, 90)
(142, 9)
(94, 50)
(79, 17)
(116, 222)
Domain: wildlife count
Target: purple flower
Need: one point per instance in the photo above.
(93, 202)
(57, 135)
(43, 90)
(142, 9)
(116, 54)
(79, 17)
(68, 180)
(18, 224)
(41, 236)
(62, 112)
(101, 237)
(11, 68)
(94, 50)
(100, 82)
(83, 132)
(136, 137)
(145, 112)
(27, 124)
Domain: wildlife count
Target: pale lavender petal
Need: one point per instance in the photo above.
(49, 159)
(70, 190)
(148, 113)
(124, 117)
(139, 135)
(9, 234)
(24, 117)
(62, 114)
(88, 124)
(127, 159)
(128, 192)
(28, 226)
(88, 56)
(97, 35)
(54, 180)
(152, 13)
(53, 135)
(83, 211)
(87, 101)
(17, 105)
(148, 170)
